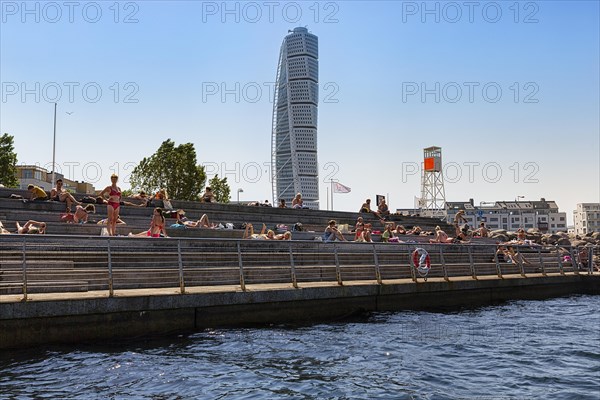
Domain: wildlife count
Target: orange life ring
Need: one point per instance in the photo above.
(421, 259)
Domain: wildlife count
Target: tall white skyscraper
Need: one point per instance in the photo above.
(294, 132)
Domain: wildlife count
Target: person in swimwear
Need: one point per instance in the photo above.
(157, 226)
(31, 227)
(114, 202)
(269, 235)
(2, 230)
(60, 194)
(203, 222)
(80, 215)
(440, 236)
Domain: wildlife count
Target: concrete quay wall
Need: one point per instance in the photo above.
(67, 318)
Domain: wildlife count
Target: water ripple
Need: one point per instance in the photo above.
(517, 350)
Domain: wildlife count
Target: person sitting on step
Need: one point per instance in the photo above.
(482, 231)
(61, 194)
(157, 226)
(383, 211)
(37, 193)
(358, 227)
(440, 236)
(332, 233)
(208, 196)
(366, 207)
(365, 236)
(297, 201)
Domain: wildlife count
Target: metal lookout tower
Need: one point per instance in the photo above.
(433, 196)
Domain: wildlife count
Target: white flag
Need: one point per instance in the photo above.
(339, 188)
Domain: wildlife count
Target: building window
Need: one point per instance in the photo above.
(27, 174)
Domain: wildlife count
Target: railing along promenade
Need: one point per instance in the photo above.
(58, 264)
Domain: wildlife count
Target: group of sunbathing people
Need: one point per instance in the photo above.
(382, 213)
(111, 196)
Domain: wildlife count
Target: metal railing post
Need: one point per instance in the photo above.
(110, 271)
(443, 261)
(412, 266)
(541, 262)
(241, 264)
(521, 264)
(377, 270)
(574, 259)
(498, 267)
(180, 262)
(591, 261)
(561, 268)
(24, 271)
(338, 271)
(471, 263)
(293, 267)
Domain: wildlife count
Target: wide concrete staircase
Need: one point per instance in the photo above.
(138, 218)
(73, 257)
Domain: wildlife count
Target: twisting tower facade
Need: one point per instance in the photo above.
(294, 166)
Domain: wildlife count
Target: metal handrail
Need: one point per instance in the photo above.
(146, 263)
(24, 270)
(110, 271)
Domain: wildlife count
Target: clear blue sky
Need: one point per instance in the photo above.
(541, 134)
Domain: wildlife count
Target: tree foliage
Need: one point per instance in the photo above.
(173, 168)
(8, 161)
(220, 189)
(127, 193)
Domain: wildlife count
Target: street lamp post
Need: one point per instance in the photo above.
(520, 212)
(54, 149)
(240, 190)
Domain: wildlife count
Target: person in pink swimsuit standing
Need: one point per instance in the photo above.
(114, 202)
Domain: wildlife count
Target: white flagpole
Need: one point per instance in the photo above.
(331, 195)
(327, 196)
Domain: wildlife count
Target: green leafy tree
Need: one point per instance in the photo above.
(220, 189)
(127, 193)
(8, 161)
(172, 167)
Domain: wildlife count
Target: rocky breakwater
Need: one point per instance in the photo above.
(558, 239)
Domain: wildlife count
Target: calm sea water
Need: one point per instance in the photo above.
(519, 350)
